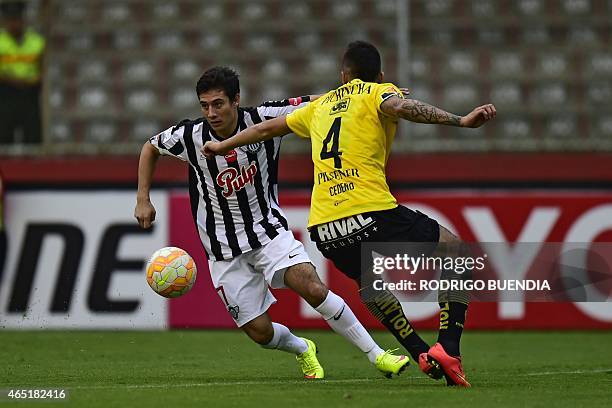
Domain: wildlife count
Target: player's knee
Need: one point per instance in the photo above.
(259, 333)
(317, 292)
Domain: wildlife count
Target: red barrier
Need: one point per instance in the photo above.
(504, 216)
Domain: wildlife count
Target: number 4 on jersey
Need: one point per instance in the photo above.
(333, 136)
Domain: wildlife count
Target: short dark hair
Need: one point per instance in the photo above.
(223, 78)
(362, 60)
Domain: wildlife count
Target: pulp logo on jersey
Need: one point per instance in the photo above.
(231, 180)
(231, 156)
(342, 228)
(341, 106)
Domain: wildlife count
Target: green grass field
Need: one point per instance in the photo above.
(223, 368)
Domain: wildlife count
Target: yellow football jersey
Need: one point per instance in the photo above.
(351, 140)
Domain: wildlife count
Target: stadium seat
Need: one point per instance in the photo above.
(138, 71)
(344, 10)
(165, 11)
(535, 35)
(438, 7)
(599, 93)
(116, 12)
(186, 70)
(73, 11)
(600, 65)
(491, 36)
(421, 91)
(82, 42)
(211, 41)
(60, 132)
(460, 95)
(552, 64)
(168, 40)
(530, 7)
(576, 7)
(211, 11)
(582, 36)
(93, 70)
(101, 131)
(507, 63)
(184, 97)
(420, 66)
(308, 41)
(126, 39)
(506, 94)
(604, 127)
(253, 10)
(143, 99)
(260, 43)
(483, 8)
(562, 126)
(548, 94)
(274, 69)
(56, 98)
(143, 129)
(273, 93)
(296, 11)
(461, 64)
(323, 64)
(93, 97)
(385, 8)
(515, 128)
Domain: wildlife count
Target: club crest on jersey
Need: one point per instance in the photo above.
(231, 179)
(340, 106)
(251, 148)
(231, 156)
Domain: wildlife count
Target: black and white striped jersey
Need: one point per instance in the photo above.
(234, 199)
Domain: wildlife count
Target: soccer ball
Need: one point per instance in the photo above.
(171, 272)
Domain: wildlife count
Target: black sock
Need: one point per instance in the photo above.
(452, 319)
(388, 310)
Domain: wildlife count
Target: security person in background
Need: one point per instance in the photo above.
(21, 56)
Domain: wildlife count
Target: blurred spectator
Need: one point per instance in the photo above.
(21, 56)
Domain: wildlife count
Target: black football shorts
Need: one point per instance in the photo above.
(340, 240)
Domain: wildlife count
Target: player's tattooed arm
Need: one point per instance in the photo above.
(421, 112)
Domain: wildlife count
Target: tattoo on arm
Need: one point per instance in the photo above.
(421, 112)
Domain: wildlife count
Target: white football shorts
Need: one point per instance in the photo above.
(242, 282)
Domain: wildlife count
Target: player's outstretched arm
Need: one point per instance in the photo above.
(258, 133)
(144, 211)
(421, 112)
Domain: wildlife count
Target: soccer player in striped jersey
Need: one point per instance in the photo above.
(242, 228)
(351, 130)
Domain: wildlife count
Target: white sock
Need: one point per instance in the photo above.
(284, 340)
(342, 320)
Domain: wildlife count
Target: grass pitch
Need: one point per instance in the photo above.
(224, 368)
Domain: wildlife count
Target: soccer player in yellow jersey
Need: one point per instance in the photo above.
(351, 130)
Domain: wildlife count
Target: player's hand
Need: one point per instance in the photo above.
(144, 213)
(212, 149)
(405, 91)
(478, 116)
